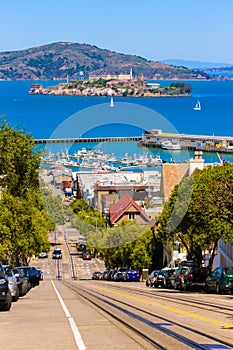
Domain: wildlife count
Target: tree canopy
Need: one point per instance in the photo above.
(24, 223)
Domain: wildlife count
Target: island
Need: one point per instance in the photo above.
(121, 86)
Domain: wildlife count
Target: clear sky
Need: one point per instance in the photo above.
(200, 30)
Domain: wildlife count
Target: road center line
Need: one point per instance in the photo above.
(73, 326)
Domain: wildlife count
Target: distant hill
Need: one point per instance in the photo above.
(55, 61)
(223, 71)
(196, 64)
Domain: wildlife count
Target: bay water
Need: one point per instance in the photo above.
(47, 116)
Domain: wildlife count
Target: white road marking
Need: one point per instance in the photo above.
(74, 328)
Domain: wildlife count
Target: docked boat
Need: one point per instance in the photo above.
(170, 146)
(197, 106)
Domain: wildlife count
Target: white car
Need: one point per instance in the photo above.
(13, 285)
(43, 255)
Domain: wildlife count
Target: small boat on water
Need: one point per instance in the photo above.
(111, 103)
(170, 146)
(197, 106)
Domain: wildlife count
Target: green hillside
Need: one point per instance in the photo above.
(55, 61)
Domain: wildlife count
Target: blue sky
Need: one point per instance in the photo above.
(199, 30)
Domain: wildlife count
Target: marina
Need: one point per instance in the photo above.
(96, 160)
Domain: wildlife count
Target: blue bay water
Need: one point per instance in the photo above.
(71, 116)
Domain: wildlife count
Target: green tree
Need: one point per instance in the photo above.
(24, 223)
(19, 164)
(24, 227)
(200, 211)
(56, 210)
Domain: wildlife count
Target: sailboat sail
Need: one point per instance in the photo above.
(111, 103)
(197, 106)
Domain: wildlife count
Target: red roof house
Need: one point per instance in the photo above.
(127, 209)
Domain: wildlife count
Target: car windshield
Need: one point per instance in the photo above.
(155, 273)
(9, 273)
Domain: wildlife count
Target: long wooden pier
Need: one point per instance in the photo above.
(154, 138)
(89, 139)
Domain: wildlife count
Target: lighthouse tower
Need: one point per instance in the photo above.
(131, 74)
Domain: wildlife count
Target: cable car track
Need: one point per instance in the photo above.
(195, 303)
(110, 304)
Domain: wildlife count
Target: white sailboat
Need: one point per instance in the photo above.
(197, 106)
(111, 103)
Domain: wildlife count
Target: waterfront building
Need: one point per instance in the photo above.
(121, 76)
(209, 143)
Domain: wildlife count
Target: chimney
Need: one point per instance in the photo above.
(197, 162)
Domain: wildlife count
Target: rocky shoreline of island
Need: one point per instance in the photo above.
(115, 88)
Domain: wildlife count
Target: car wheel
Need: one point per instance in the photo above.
(16, 297)
(218, 289)
(7, 305)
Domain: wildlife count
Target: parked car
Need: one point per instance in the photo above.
(151, 278)
(132, 275)
(41, 275)
(87, 256)
(164, 275)
(25, 274)
(110, 275)
(95, 275)
(21, 280)
(57, 254)
(119, 275)
(105, 273)
(5, 293)
(33, 275)
(13, 284)
(221, 280)
(176, 280)
(43, 255)
(194, 277)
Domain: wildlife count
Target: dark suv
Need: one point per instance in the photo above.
(5, 294)
(194, 277)
(57, 254)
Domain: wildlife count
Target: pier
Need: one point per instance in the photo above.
(89, 139)
(154, 139)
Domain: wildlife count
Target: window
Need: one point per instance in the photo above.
(131, 216)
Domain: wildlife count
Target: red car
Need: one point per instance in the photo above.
(87, 256)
